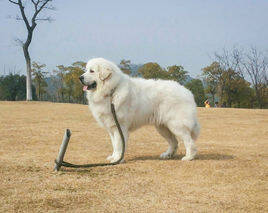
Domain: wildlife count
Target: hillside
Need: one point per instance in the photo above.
(229, 174)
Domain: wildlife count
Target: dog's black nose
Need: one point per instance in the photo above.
(81, 78)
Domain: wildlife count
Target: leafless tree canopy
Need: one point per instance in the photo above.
(38, 6)
(230, 60)
(252, 64)
(256, 66)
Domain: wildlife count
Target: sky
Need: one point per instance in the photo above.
(182, 32)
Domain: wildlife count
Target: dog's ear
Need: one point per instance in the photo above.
(105, 73)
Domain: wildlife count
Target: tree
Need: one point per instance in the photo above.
(13, 87)
(125, 66)
(229, 85)
(30, 23)
(58, 81)
(197, 88)
(73, 85)
(177, 73)
(235, 88)
(255, 65)
(9, 87)
(39, 79)
(252, 64)
(230, 67)
(230, 59)
(152, 71)
(212, 76)
(241, 93)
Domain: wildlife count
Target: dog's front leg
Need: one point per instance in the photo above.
(117, 144)
(110, 157)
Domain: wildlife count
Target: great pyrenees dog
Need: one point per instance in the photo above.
(163, 103)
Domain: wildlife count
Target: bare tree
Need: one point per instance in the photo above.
(251, 64)
(230, 59)
(228, 68)
(255, 65)
(31, 23)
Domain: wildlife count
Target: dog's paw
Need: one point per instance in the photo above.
(166, 155)
(110, 157)
(115, 158)
(187, 158)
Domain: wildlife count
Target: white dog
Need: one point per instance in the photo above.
(166, 104)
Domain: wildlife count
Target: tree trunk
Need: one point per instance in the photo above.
(29, 96)
(39, 91)
(258, 96)
(62, 97)
(229, 101)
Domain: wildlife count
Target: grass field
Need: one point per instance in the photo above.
(230, 173)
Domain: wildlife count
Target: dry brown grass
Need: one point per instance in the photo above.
(229, 174)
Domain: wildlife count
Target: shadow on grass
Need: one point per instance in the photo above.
(76, 170)
(215, 156)
(94, 171)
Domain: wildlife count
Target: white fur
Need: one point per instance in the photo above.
(166, 104)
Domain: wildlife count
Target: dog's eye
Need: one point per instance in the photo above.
(91, 71)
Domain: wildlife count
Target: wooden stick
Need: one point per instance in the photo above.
(62, 150)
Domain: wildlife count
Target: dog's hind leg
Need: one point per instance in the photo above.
(185, 134)
(171, 139)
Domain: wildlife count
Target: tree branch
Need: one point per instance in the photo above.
(13, 2)
(50, 8)
(49, 19)
(23, 15)
(37, 11)
(33, 2)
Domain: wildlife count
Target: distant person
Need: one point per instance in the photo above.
(216, 104)
(207, 104)
(224, 104)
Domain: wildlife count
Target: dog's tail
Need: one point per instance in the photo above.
(195, 131)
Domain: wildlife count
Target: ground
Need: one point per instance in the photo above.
(230, 173)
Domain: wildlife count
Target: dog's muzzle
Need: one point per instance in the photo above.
(91, 86)
(87, 87)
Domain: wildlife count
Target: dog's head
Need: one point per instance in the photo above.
(101, 75)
